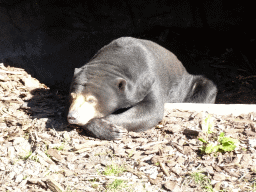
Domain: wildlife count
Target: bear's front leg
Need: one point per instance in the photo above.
(103, 129)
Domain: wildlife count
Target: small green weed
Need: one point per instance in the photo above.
(35, 158)
(29, 153)
(27, 156)
(113, 170)
(47, 154)
(202, 180)
(116, 185)
(207, 125)
(222, 143)
(61, 147)
(69, 190)
(95, 185)
(130, 154)
(254, 186)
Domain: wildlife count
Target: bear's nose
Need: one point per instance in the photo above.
(72, 117)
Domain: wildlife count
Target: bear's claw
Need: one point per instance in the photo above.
(104, 129)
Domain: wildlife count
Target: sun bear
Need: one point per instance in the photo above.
(125, 85)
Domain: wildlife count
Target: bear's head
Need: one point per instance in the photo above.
(98, 90)
(95, 94)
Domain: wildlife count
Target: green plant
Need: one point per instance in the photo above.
(95, 185)
(130, 153)
(29, 153)
(61, 147)
(223, 144)
(69, 190)
(202, 180)
(254, 186)
(35, 158)
(207, 125)
(116, 184)
(47, 154)
(113, 170)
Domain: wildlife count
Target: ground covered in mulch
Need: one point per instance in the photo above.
(40, 152)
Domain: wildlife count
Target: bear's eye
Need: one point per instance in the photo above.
(91, 100)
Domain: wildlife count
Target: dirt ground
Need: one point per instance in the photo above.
(39, 151)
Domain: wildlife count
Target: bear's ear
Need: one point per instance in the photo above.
(121, 84)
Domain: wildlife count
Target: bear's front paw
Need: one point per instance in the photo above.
(103, 129)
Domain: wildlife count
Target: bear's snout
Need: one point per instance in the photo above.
(72, 118)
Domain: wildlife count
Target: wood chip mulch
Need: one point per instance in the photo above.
(40, 152)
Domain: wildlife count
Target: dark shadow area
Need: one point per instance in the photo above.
(225, 57)
(49, 104)
(53, 106)
(229, 65)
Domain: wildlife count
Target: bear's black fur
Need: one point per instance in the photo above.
(128, 81)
